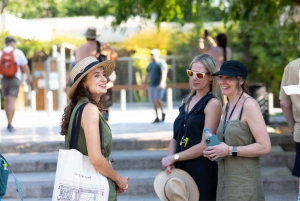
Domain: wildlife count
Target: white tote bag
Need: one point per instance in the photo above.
(77, 179)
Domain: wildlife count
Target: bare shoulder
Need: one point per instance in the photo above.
(90, 109)
(213, 104)
(251, 106)
(250, 103)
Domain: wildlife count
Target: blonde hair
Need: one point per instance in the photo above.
(211, 66)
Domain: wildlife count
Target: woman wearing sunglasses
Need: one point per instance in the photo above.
(200, 109)
(244, 138)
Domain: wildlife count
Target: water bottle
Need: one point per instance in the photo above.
(4, 166)
(207, 133)
(211, 140)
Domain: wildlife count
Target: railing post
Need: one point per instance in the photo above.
(169, 99)
(130, 80)
(50, 103)
(33, 101)
(123, 100)
(174, 77)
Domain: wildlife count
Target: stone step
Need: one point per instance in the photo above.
(118, 144)
(131, 159)
(129, 141)
(278, 179)
(40, 185)
(269, 195)
(47, 162)
(121, 197)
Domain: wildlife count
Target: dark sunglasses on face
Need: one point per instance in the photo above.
(199, 75)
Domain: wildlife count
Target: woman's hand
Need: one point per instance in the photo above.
(167, 161)
(214, 152)
(122, 184)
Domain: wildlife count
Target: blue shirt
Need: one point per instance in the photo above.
(155, 69)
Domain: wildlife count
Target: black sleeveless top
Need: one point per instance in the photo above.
(202, 170)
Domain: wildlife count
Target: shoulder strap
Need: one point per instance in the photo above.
(241, 112)
(76, 128)
(98, 47)
(15, 178)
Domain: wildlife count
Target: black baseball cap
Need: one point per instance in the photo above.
(9, 39)
(232, 68)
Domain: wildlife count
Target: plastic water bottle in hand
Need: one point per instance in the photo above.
(211, 140)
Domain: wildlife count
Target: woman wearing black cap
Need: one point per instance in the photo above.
(244, 138)
(89, 77)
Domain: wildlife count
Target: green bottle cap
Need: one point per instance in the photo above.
(5, 165)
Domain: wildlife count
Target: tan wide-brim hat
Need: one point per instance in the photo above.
(177, 186)
(84, 66)
(91, 32)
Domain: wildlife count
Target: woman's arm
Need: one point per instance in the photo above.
(212, 111)
(90, 125)
(262, 145)
(253, 117)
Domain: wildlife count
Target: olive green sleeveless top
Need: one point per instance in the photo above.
(82, 148)
(239, 178)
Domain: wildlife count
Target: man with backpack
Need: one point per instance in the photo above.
(102, 51)
(12, 64)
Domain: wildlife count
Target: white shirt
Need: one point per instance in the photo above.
(20, 59)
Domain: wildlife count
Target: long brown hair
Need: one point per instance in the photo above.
(243, 87)
(80, 93)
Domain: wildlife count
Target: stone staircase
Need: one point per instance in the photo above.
(34, 165)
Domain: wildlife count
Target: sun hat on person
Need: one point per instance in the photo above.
(84, 66)
(91, 33)
(177, 186)
(232, 68)
(155, 52)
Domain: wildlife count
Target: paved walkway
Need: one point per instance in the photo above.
(135, 122)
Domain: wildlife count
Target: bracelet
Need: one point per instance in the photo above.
(228, 150)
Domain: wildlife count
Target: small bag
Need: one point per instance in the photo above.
(75, 176)
(4, 171)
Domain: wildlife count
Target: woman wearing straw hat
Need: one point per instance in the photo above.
(201, 109)
(89, 78)
(244, 136)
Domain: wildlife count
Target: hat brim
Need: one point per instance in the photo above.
(227, 73)
(162, 178)
(90, 36)
(108, 67)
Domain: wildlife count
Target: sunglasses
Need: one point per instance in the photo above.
(199, 75)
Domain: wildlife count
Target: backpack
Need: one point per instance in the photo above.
(8, 66)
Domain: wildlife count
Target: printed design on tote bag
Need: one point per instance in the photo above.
(70, 191)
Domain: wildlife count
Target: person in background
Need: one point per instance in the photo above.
(290, 105)
(157, 71)
(89, 78)
(102, 51)
(11, 85)
(243, 136)
(201, 108)
(219, 51)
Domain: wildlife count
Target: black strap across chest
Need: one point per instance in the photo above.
(76, 128)
(225, 122)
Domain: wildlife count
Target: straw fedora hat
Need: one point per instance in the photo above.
(177, 186)
(84, 66)
(91, 32)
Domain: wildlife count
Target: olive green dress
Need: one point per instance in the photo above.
(82, 148)
(239, 178)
